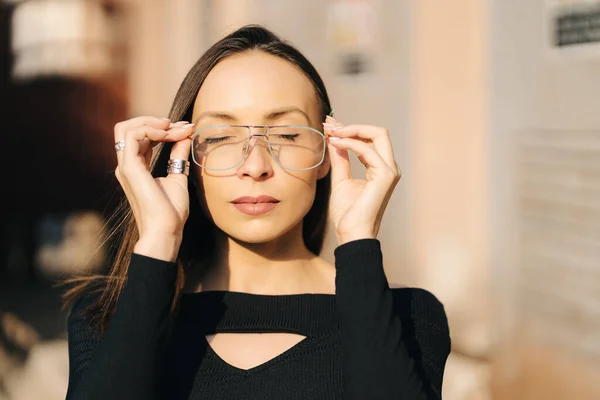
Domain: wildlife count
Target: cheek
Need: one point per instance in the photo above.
(300, 188)
(210, 193)
(204, 191)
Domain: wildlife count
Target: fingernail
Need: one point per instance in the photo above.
(166, 119)
(333, 138)
(188, 125)
(182, 122)
(330, 126)
(330, 119)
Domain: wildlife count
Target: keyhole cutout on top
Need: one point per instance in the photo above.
(250, 350)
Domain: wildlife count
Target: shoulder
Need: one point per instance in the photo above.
(417, 304)
(79, 319)
(425, 327)
(83, 338)
(82, 304)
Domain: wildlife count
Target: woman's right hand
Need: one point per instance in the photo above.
(160, 205)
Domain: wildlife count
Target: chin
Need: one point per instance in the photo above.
(257, 231)
(253, 238)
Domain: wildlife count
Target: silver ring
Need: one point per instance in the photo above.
(176, 166)
(120, 145)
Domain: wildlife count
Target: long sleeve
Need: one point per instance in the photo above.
(126, 362)
(395, 342)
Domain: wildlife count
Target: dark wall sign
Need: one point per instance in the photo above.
(576, 26)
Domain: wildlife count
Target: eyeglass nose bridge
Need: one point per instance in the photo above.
(251, 135)
(263, 128)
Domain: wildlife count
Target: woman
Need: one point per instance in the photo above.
(217, 291)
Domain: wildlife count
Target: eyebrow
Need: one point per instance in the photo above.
(270, 116)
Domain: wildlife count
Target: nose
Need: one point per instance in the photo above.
(258, 164)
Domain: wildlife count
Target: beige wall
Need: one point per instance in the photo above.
(449, 133)
(166, 38)
(544, 209)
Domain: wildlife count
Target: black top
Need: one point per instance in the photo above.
(365, 342)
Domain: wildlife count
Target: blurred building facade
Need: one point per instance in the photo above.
(545, 132)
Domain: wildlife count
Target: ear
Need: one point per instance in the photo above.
(324, 168)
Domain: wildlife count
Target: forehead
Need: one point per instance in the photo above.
(254, 83)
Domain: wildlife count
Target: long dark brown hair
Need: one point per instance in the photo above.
(198, 241)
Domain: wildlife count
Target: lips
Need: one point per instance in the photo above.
(255, 200)
(255, 205)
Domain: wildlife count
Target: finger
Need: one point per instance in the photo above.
(144, 137)
(340, 165)
(180, 151)
(158, 123)
(137, 143)
(138, 147)
(124, 126)
(378, 136)
(178, 123)
(147, 148)
(134, 172)
(172, 135)
(133, 169)
(340, 162)
(176, 133)
(367, 155)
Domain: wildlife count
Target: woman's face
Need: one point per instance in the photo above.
(255, 88)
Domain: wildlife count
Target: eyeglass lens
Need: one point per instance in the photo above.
(225, 147)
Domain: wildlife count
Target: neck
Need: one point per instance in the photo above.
(283, 265)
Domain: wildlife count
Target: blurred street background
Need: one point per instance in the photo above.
(493, 108)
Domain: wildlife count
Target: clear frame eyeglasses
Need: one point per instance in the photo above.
(223, 147)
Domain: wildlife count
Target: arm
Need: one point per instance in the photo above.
(126, 362)
(386, 356)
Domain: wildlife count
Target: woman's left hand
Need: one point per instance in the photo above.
(357, 205)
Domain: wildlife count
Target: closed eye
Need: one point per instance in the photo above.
(215, 140)
(289, 136)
